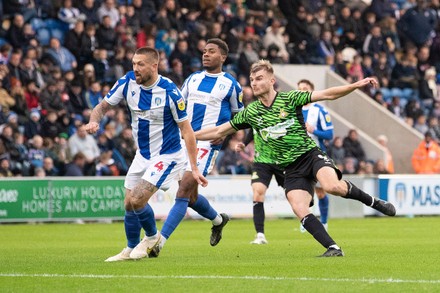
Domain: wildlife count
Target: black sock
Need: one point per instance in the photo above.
(314, 227)
(259, 216)
(355, 193)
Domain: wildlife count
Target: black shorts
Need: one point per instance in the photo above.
(263, 173)
(301, 174)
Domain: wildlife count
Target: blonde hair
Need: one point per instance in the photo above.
(262, 65)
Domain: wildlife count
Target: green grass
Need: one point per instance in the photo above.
(382, 255)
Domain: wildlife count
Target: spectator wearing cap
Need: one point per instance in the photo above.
(33, 126)
(426, 157)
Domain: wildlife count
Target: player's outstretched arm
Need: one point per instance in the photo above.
(337, 92)
(191, 147)
(97, 113)
(217, 132)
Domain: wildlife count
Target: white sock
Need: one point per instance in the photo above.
(335, 246)
(217, 220)
(163, 240)
(154, 236)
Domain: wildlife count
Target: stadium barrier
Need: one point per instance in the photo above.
(94, 198)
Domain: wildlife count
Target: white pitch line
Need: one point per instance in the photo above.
(78, 276)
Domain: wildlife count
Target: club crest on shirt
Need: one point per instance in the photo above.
(221, 86)
(283, 113)
(157, 101)
(181, 104)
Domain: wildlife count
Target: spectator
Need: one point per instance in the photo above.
(49, 167)
(83, 142)
(388, 162)
(380, 168)
(350, 166)
(5, 167)
(434, 127)
(73, 39)
(61, 56)
(274, 35)
(33, 126)
(108, 8)
(15, 34)
(106, 35)
(428, 91)
(426, 157)
(352, 146)
(418, 23)
(90, 9)
(70, 15)
(6, 101)
(76, 167)
(36, 153)
(32, 95)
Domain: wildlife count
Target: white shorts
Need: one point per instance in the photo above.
(160, 171)
(206, 157)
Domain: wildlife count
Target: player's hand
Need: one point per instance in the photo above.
(239, 147)
(217, 141)
(200, 178)
(310, 128)
(367, 81)
(91, 127)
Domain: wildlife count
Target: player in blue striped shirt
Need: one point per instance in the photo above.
(158, 119)
(212, 96)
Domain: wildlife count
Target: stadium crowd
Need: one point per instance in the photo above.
(58, 59)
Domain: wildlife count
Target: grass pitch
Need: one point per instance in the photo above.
(382, 255)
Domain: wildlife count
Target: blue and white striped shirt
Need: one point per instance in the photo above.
(211, 98)
(155, 112)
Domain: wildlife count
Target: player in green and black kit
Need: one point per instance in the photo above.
(281, 138)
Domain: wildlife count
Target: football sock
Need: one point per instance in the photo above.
(132, 229)
(147, 220)
(355, 193)
(314, 227)
(259, 216)
(323, 209)
(175, 216)
(203, 208)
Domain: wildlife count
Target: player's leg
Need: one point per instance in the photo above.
(259, 192)
(299, 191)
(206, 159)
(323, 204)
(161, 173)
(331, 183)
(299, 201)
(132, 224)
(178, 211)
(261, 177)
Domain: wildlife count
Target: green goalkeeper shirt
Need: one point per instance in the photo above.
(280, 135)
